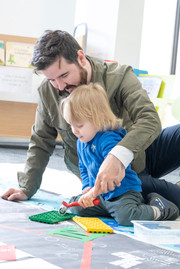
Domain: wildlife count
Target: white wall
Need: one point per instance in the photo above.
(135, 32)
(102, 19)
(81, 12)
(129, 32)
(31, 18)
(114, 28)
(157, 36)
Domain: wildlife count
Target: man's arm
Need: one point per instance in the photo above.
(143, 126)
(140, 118)
(110, 175)
(123, 154)
(41, 147)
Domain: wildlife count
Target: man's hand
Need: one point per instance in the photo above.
(14, 194)
(110, 175)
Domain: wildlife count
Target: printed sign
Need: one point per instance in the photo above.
(15, 79)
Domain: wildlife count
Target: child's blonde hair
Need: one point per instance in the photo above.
(90, 102)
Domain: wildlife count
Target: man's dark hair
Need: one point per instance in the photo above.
(53, 45)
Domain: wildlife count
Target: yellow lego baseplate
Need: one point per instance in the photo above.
(93, 225)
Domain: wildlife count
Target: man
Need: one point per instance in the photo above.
(59, 57)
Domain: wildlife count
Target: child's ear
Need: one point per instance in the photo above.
(81, 58)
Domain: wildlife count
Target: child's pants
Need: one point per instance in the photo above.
(127, 207)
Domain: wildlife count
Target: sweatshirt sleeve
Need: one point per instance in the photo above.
(41, 147)
(109, 140)
(144, 124)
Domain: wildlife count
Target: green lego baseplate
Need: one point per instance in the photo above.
(51, 217)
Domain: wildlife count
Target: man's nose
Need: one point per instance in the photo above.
(60, 84)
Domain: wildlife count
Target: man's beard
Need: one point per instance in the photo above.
(83, 78)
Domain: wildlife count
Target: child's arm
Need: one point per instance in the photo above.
(115, 170)
(86, 200)
(82, 168)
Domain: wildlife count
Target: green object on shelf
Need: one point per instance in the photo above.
(51, 217)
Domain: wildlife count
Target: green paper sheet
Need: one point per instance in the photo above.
(73, 233)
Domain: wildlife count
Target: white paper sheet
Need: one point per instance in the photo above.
(13, 79)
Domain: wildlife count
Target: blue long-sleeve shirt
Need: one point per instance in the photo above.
(91, 156)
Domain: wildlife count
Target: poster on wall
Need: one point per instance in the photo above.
(151, 85)
(13, 79)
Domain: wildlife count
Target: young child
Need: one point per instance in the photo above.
(88, 112)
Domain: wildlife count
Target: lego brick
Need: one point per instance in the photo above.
(51, 217)
(93, 225)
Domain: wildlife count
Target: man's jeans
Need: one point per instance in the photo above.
(162, 157)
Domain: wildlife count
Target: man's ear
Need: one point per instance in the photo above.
(81, 58)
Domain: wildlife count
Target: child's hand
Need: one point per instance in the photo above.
(86, 200)
(86, 190)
